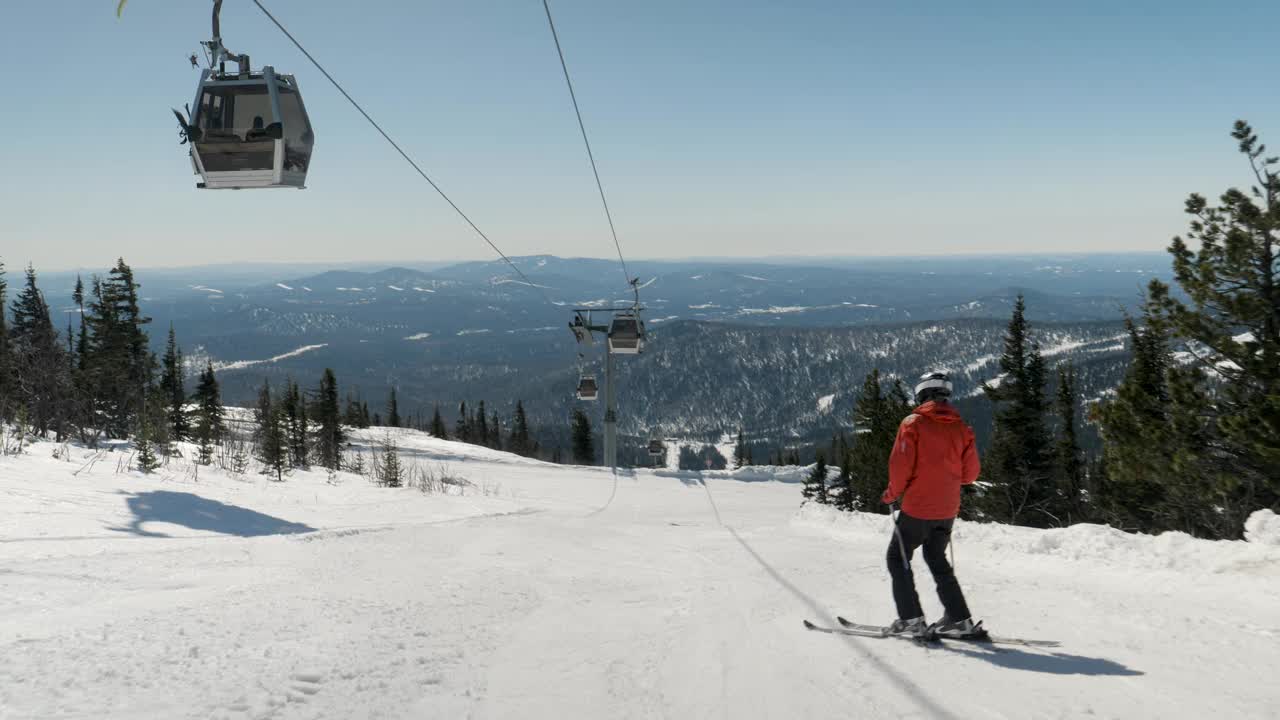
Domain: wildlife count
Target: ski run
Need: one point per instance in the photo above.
(541, 591)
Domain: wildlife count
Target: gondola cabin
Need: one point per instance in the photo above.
(249, 130)
(587, 389)
(626, 334)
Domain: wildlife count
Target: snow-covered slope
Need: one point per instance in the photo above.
(540, 591)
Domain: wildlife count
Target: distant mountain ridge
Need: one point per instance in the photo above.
(733, 343)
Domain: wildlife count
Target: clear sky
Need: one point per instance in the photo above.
(739, 127)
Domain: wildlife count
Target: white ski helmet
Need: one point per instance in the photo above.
(932, 386)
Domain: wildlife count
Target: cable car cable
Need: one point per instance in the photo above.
(400, 150)
(590, 156)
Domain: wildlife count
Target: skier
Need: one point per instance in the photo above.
(932, 457)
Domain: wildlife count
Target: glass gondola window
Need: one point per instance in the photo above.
(298, 138)
(233, 122)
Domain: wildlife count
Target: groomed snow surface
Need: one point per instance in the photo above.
(550, 592)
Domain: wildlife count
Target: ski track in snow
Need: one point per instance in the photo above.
(210, 596)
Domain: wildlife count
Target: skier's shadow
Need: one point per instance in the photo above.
(198, 513)
(1053, 663)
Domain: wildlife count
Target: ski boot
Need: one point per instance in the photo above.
(915, 627)
(965, 629)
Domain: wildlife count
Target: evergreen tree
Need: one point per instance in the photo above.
(815, 487)
(390, 472)
(462, 430)
(39, 370)
(739, 451)
(173, 388)
(584, 452)
(877, 415)
(119, 366)
(351, 414)
(438, 428)
(1232, 325)
(365, 420)
(263, 414)
(7, 404)
(295, 413)
(393, 410)
(148, 462)
(1019, 466)
(1162, 452)
(495, 432)
(842, 489)
(1068, 459)
(273, 450)
(82, 339)
(329, 435)
(520, 444)
(209, 424)
(481, 426)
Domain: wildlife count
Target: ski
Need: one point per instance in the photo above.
(865, 631)
(984, 637)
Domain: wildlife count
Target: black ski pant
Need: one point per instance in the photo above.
(934, 535)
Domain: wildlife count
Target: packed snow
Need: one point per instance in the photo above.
(824, 403)
(541, 591)
(418, 336)
(282, 286)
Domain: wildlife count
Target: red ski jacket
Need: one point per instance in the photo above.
(932, 457)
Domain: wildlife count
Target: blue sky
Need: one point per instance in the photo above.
(721, 128)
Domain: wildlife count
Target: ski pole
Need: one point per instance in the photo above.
(902, 547)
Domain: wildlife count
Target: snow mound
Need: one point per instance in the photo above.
(1099, 544)
(1263, 528)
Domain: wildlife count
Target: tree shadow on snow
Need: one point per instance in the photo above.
(198, 513)
(1053, 663)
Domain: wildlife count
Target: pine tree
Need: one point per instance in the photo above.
(877, 415)
(147, 460)
(119, 366)
(739, 451)
(393, 410)
(82, 339)
(520, 444)
(842, 489)
(815, 487)
(295, 412)
(495, 432)
(1162, 452)
(209, 424)
(329, 435)
(1068, 458)
(38, 362)
(172, 388)
(1232, 325)
(7, 404)
(584, 452)
(462, 430)
(351, 414)
(273, 450)
(438, 428)
(263, 413)
(481, 426)
(1019, 466)
(390, 472)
